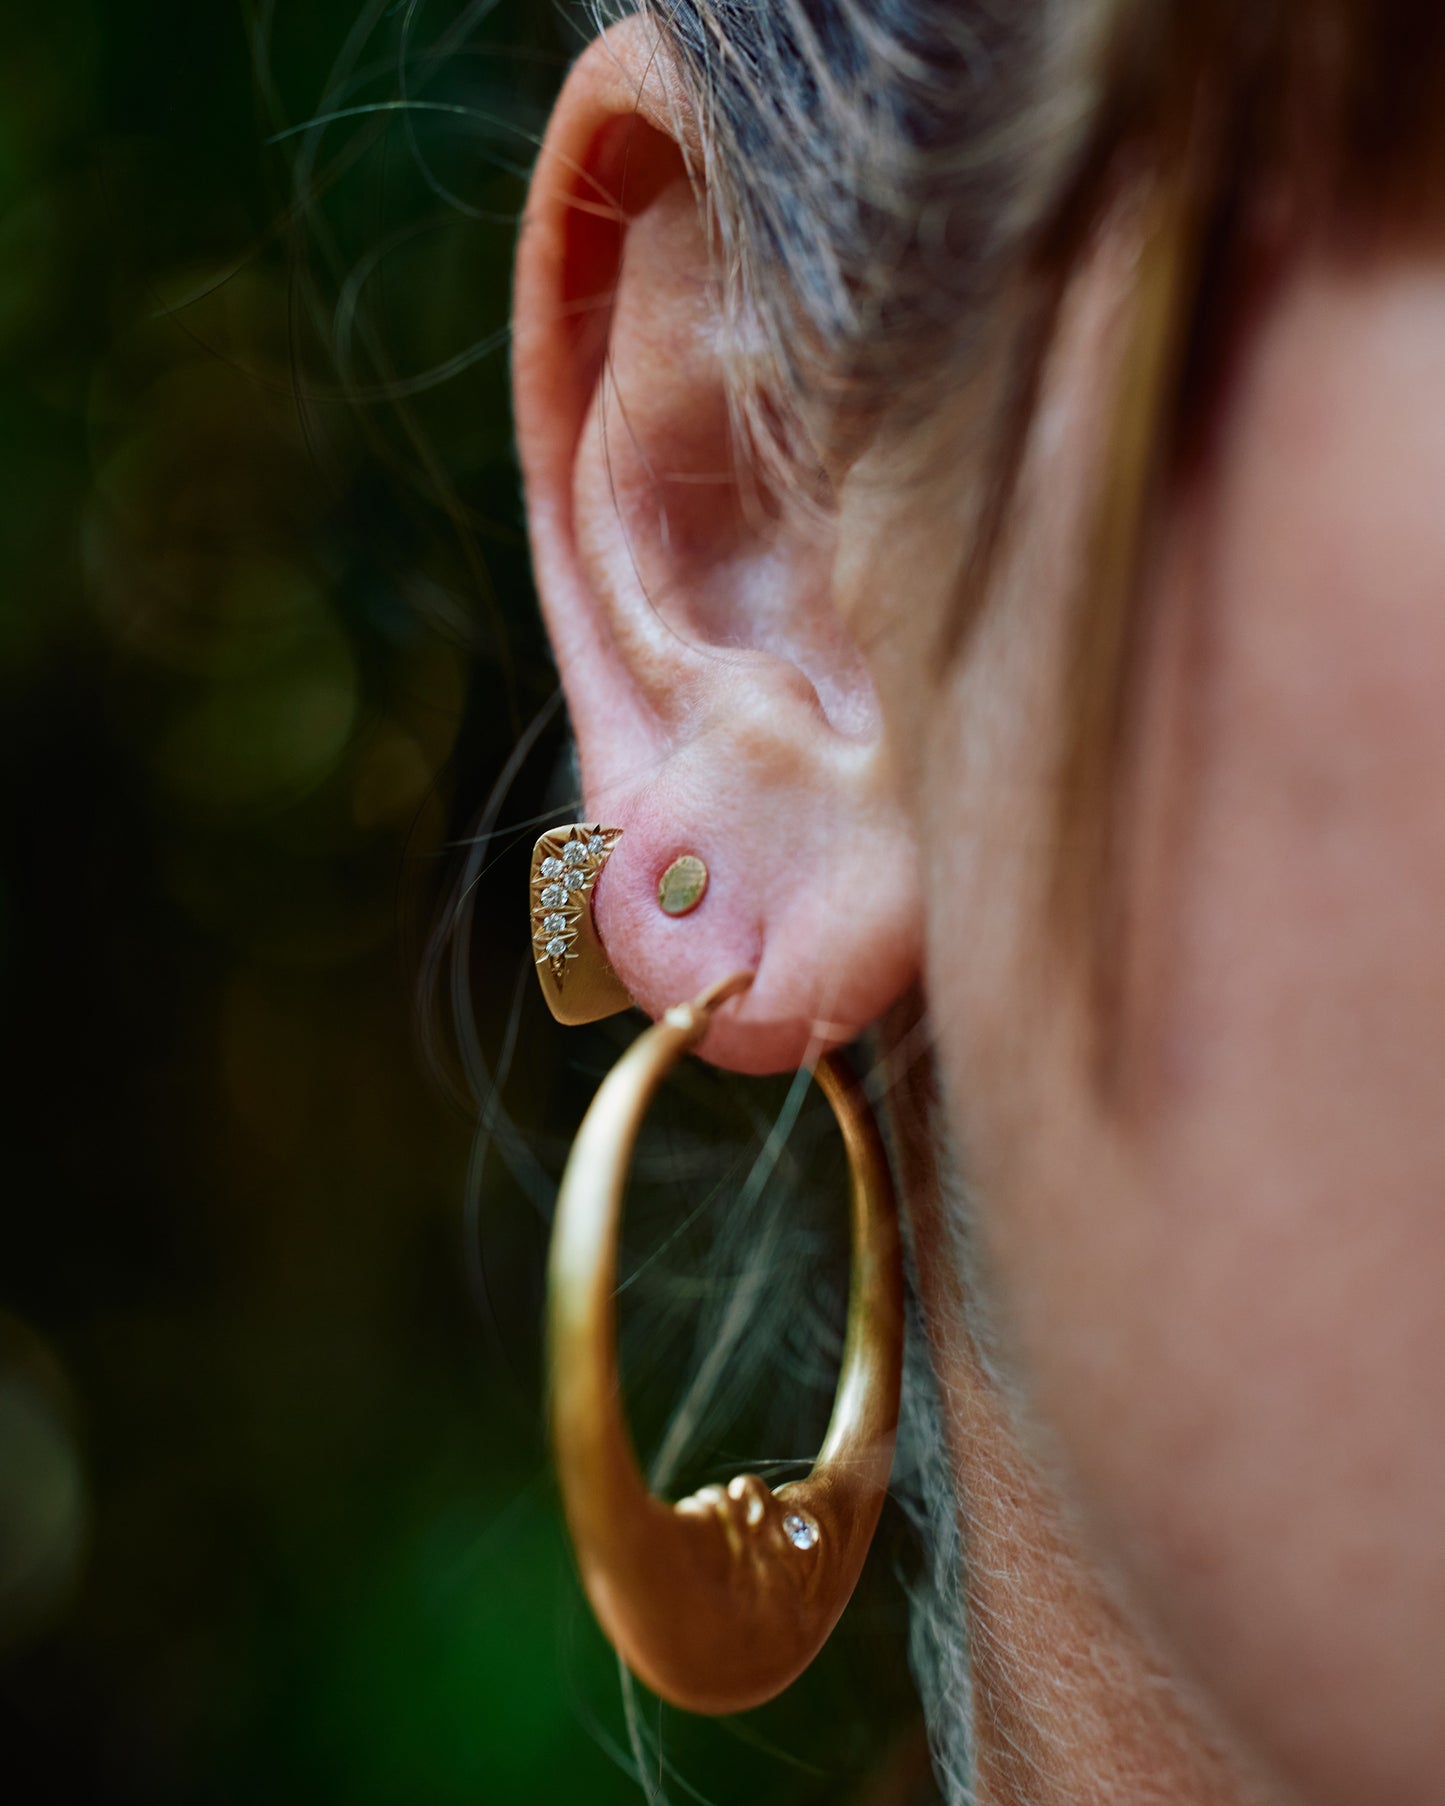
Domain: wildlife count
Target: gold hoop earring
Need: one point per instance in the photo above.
(721, 1601)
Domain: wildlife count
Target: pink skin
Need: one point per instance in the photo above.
(1222, 1283)
(1226, 1283)
(744, 731)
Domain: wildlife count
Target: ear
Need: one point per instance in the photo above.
(719, 704)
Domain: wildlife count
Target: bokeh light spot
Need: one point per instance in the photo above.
(268, 735)
(44, 1510)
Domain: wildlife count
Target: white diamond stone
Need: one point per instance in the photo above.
(553, 896)
(554, 924)
(573, 880)
(556, 947)
(551, 868)
(574, 853)
(596, 846)
(801, 1532)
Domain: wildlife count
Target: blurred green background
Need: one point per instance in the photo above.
(276, 1520)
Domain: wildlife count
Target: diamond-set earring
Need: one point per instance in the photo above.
(572, 966)
(721, 1600)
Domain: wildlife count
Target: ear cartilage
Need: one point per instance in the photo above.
(575, 974)
(682, 886)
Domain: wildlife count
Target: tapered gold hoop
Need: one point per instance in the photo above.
(720, 1601)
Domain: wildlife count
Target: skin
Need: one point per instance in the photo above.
(1211, 1472)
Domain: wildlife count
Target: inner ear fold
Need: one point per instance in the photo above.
(664, 495)
(629, 163)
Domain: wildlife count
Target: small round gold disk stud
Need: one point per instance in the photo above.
(682, 885)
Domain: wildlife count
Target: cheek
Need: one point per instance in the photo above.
(1227, 1279)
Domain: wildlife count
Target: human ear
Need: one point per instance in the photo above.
(720, 706)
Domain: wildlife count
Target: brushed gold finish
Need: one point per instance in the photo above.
(683, 885)
(718, 1602)
(572, 965)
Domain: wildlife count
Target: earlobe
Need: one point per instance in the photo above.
(720, 707)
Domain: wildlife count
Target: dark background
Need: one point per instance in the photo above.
(276, 1519)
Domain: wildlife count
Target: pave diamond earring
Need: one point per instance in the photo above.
(576, 976)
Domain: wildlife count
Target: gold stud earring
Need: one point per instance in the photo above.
(572, 965)
(681, 887)
(720, 1601)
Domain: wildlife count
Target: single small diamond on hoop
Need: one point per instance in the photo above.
(574, 853)
(556, 947)
(801, 1532)
(553, 896)
(554, 924)
(574, 880)
(596, 846)
(551, 868)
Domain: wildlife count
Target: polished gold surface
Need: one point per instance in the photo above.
(718, 1602)
(682, 885)
(572, 966)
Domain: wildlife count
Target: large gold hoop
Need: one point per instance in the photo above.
(720, 1601)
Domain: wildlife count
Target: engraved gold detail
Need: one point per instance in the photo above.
(683, 885)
